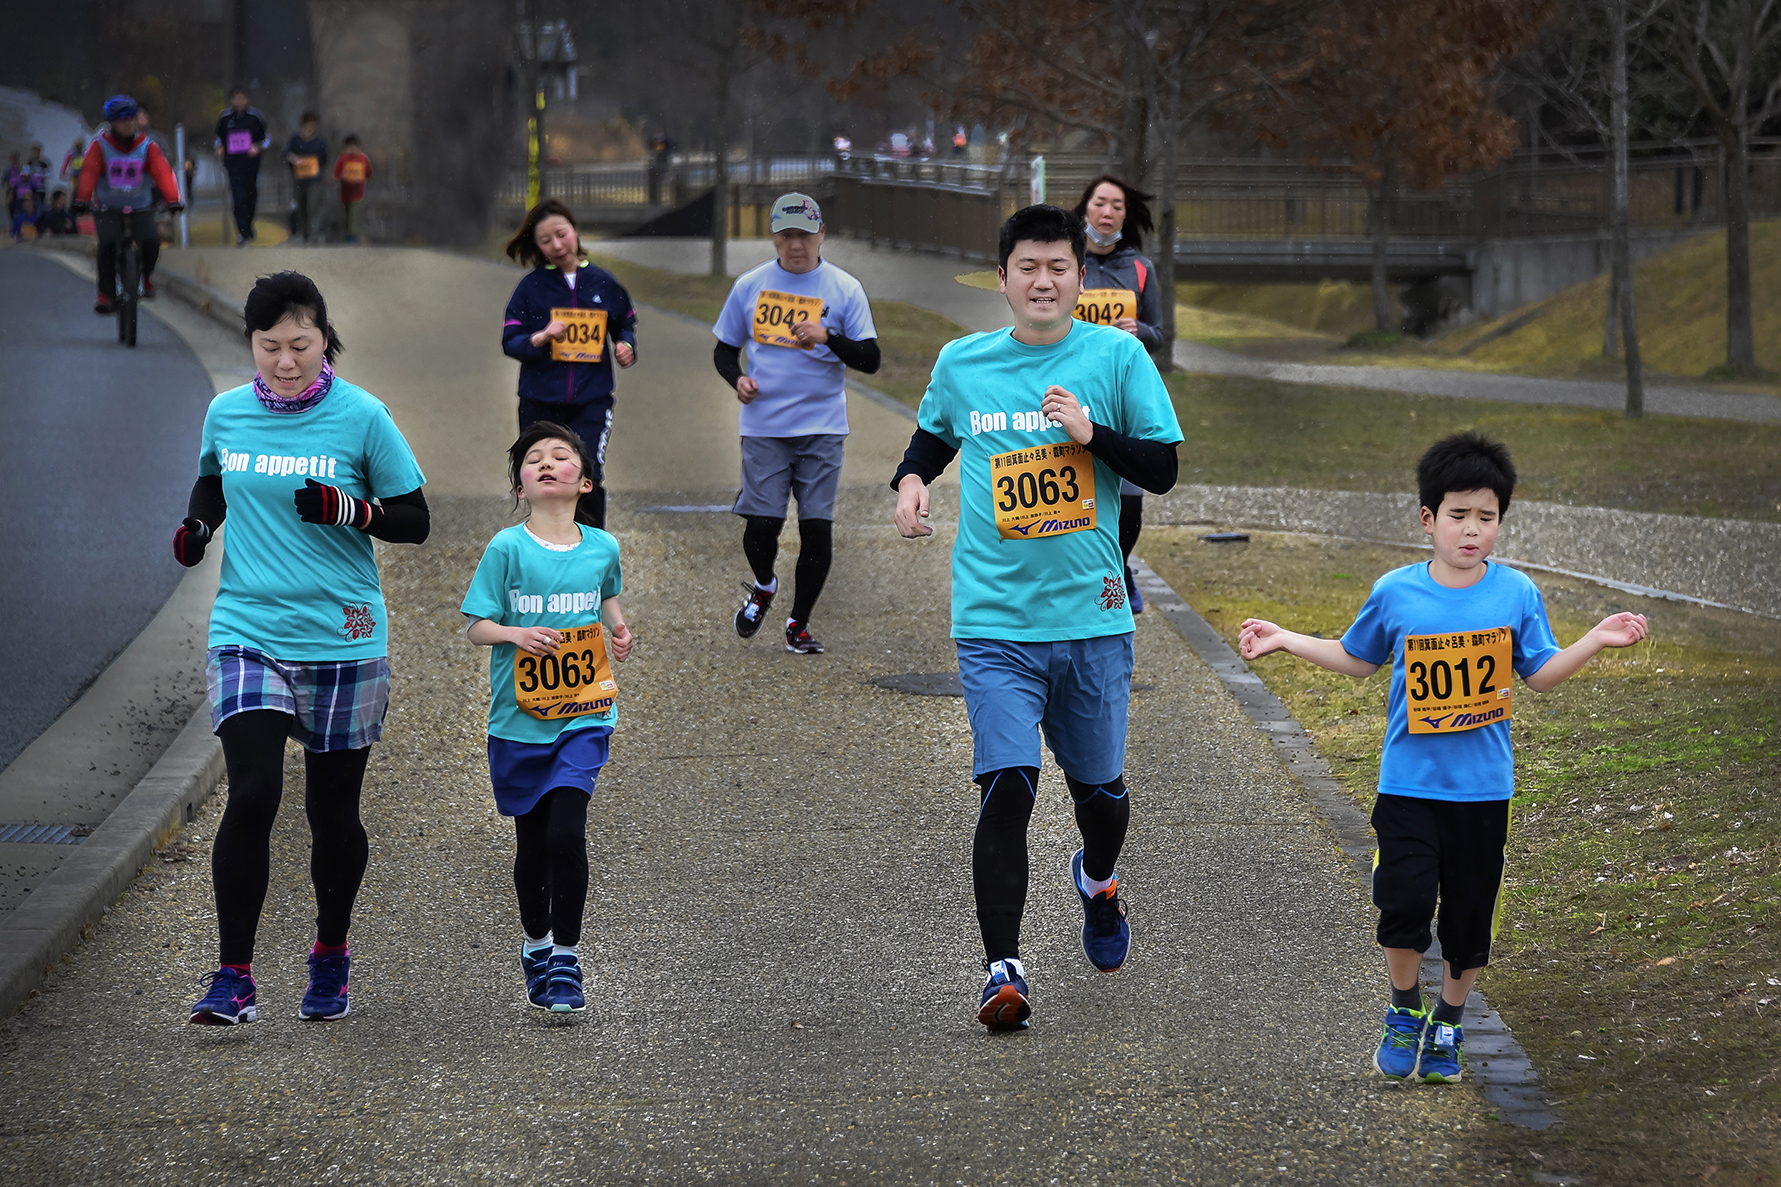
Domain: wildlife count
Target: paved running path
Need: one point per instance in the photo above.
(781, 951)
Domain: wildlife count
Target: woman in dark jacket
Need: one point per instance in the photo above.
(566, 323)
(1115, 216)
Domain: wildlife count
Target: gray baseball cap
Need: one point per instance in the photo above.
(796, 212)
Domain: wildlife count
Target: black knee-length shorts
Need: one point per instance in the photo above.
(1445, 850)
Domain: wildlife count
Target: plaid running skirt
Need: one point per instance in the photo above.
(332, 706)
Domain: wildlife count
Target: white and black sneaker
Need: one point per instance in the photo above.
(753, 612)
(799, 640)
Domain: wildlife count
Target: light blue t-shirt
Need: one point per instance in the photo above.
(1051, 575)
(522, 582)
(802, 391)
(1476, 764)
(302, 592)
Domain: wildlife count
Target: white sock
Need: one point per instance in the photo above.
(1090, 887)
(771, 586)
(563, 950)
(530, 946)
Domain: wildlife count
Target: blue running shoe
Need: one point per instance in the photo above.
(325, 1000)
(1440, 1061)
(1133, 598)
(230, 1000)
(1396, 1057)
(1106, 936)
(535, 964)
(562, 986)
(1005, 1005)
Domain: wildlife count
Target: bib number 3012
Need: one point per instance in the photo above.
(1457, 682)
(584, 340)
(574, 682)
(1048, 490)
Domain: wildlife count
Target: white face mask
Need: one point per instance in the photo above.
(1100, 240)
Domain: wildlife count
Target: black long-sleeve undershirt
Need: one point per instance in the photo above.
(862, 355)
(1152, 465)
(400, 519)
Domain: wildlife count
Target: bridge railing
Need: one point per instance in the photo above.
(627, 184)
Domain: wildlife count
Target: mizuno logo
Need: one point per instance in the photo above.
(1435, 722)
(1022, 530)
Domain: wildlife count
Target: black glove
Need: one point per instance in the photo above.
(190, 540)
(329, 505)
(175, 207)
(79, 207)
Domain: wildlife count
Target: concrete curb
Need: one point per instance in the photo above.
(50, 922)
(207, 299)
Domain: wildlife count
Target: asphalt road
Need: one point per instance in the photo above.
(98, 449)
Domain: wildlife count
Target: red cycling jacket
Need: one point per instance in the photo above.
(94, 166)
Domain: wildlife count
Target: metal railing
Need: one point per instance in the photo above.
(633, 185)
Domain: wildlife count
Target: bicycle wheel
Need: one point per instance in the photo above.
(129, 280)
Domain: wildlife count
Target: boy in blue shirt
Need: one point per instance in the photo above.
(1046, 419)
(1452, 628)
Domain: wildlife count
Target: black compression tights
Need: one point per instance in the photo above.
(550, 865)
(241, 857)
(999, 848)
(816, 550)
(1131, 522)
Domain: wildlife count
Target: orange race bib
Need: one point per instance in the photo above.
(1048, 490)
(307, 167)
(1457, 682)
(353, 171)
(775, 314)
(585, 339)
(574, 682)
(1103, 307)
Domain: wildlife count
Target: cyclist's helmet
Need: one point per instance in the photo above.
(120, 107)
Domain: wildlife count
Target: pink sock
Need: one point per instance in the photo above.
(244, 969)
(321, 949)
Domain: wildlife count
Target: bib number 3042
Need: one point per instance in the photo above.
(776, 313)
(1457, 682)
(574, 682)
(1103, 307)
(1048, 490)
(584, 341)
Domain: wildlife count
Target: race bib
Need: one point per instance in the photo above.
(775, 314)
(1457, 682)
(307, 167)
(123, 173)
(353, 171)
(1048, 490)
(585, 339)
(574, 682)
(1103, 307)
(239, 142)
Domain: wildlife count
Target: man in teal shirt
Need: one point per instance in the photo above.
(1048, 418)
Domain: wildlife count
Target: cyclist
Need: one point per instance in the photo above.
(120, 176)
(1115, 216)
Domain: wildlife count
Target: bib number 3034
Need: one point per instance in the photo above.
(1048, 490)
(1457, 682)
(574, 682)
(775, 313)
(585, 339)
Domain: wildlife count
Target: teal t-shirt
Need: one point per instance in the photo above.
(302, 592)
(521, 581)
(1037, 556)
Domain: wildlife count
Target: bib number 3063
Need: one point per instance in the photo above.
(775, 313)
(1457, 682)
(585, 339)
(574, 682)
(1048, 490)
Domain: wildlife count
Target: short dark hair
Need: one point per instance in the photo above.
(289, 294)
(309, 117)
(351, 138)
(1462, 462)
(1137, 210)
(1041, 224)
(544, 430)
(237, 89)
(524, 244)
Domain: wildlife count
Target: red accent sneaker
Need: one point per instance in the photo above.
(148, 289)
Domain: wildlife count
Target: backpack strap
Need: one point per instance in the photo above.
(1143, 273)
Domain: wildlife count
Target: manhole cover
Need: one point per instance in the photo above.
(923, 684)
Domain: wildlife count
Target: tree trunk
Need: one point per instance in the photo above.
(1165, 231)
(1384, 318)
(1611, 315)
(1740, 338)
(1621, 229)
(720, 166)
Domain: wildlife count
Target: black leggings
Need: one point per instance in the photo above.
(550, 865)
(816, 550)
(241, 858)
(1131, 522)
(110, 227)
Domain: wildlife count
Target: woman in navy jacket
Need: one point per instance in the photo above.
(567, 321)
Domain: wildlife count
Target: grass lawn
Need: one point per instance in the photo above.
(1640, 957)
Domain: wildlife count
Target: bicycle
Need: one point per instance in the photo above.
(129, 266)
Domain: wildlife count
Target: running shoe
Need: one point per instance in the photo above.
(1004, 1005)
(230, 999)
(148, 289)
(1398, 1042)
(325, 999)
(562, 986)
(1106, 936)
(1134, 599)
(799, 640)
(535, 964)
(1440, 1061)
(103, 306)
(754, 611)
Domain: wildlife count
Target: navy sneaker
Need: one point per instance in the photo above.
(1004, 1005)
(1106, 936)
(1439, 1061)
(562, 986)
(753, 611)
(535, 964)
(325, 1000)
(799, 641)
(1133, 597)
(230, 1000)
(1398, 1043)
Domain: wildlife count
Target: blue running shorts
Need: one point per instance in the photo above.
(1076, 691)
(332, 706)
(522, 772)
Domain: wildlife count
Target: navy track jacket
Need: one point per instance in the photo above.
(528, 311)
